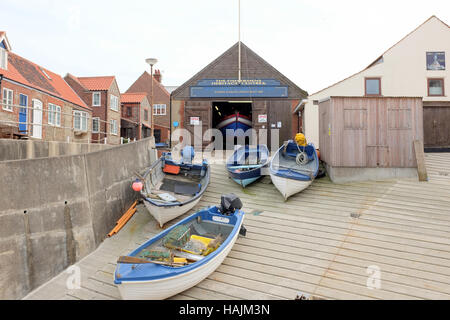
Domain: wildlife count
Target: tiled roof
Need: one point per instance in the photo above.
(32, 75)
(132, 97)
(96, 83)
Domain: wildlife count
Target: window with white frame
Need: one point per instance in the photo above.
(159, 109)
(114, 103)
(80, 120)
(95, 125)
(54, 115)
(7, 99)
(3, 59)
(113, 127)
(96, 99)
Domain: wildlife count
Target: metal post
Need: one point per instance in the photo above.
(239, 43)
(151, 104)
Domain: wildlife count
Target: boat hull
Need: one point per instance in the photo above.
(164, 288)
(246, 182)
(289, 187)
(165, 214)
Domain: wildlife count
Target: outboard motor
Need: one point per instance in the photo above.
(187, 154)
(229, 203)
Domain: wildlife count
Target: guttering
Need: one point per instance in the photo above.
(170, 121)
(300, 104)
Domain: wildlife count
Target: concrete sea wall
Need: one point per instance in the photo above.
(11, 149)
(54, 211)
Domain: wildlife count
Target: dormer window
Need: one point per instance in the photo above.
(3, 59)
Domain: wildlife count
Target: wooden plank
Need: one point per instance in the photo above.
(421, 168)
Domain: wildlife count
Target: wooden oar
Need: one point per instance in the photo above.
(134, 260)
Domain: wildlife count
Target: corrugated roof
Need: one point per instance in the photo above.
(32, 75)
(97, 83)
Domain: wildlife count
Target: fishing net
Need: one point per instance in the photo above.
(177, 237)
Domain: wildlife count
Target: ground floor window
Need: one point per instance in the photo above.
(435, 86)
(7, 99)
(95, 125)
(80, 120)
(157, 134)
(113, 127)
(54, 115)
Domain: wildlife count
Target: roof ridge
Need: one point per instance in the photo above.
(370, 65)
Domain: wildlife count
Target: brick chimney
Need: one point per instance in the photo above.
(157, 75)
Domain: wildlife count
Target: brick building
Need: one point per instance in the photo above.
(37, 103)
(135, 122)
(102, 94)
(161, 103)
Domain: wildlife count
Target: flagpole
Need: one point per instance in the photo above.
(239, 42)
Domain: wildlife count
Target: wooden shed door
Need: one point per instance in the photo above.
(436, 127)
(280, 115)
(377, 135)
(201, 111)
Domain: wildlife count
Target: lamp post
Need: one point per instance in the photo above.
(151, 62)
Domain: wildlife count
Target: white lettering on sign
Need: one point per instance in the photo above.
(221, 219)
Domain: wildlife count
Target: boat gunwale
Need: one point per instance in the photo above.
(177, 203)
(234, 175)
(292, 173)
(238, 216)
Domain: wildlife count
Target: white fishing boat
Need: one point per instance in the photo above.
(173, 188)
(169, 263)
(293, 168)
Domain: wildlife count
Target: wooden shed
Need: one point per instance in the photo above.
(370, 138)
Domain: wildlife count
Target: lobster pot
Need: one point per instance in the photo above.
(370, 138)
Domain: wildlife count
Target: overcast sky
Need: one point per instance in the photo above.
(314, 43)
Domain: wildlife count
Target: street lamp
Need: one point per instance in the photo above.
(151, 62)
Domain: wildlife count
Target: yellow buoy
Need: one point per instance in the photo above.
(301, 139)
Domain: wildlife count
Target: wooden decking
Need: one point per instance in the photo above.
(323, 241)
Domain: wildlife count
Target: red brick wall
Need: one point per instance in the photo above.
(51, 133)
(103, 111)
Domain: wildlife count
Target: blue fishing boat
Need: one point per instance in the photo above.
(294, 167)
(246, 164)
(174, 260)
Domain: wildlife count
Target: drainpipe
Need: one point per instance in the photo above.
(170, 121)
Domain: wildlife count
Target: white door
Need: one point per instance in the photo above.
(37, 119)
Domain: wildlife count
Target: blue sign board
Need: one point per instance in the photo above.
(232, 88)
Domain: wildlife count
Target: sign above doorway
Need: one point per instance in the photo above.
(232, 88)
